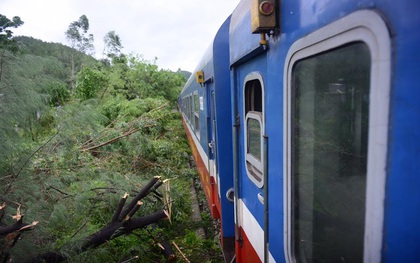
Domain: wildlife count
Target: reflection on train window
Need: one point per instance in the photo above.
(329, 154)
(253, 99)
(196, 115)
(254, 133)
(189, 109)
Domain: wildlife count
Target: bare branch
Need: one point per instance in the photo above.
(119, 208)
(139, 196)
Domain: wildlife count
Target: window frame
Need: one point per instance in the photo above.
(260, 117)
(250, 157)
(361, 26)
(196, 114)
(190, 110)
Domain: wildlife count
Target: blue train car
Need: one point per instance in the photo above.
(324, 121)
(205, 103)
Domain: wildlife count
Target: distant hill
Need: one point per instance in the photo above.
(186, 74)
(36, 47)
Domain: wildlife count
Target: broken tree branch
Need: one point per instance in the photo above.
(139, 196)
(111, 141)
(119, 207)
(116, 229)
(2, 208)
(182, 254)
(161, 242)
(18, 226)
(122, 223)
(133, 211)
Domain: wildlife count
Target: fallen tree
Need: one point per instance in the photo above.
(122, 222)
(12, 232)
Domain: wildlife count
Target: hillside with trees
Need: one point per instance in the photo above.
(94, 164)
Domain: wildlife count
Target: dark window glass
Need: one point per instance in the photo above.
(253, 96)
(253, 100)
(196, 116)
(330, 92)
(196, 105)
(190, 105)
(254, 138)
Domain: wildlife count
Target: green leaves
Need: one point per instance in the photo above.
(6, 34)
(89, 82)
(113, 44)
(68, 155)
(77, 35)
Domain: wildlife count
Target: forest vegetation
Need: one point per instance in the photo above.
(82, 141)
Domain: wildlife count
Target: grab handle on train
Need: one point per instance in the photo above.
(230, 195)
(260, 198)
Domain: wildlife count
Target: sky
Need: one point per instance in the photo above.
(176, 32)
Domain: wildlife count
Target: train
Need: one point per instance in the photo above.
(303, 117)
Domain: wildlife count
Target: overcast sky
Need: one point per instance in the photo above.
(177, 32)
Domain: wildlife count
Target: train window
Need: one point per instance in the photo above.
(254, 127)
(337, 104)
(196, 115)
(331, 110)
(189, 109)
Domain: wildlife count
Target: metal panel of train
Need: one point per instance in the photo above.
(304, 121)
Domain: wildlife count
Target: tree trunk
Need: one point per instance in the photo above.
(122, 223)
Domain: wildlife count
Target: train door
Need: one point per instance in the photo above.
(211, 122)
(214, 141)
(250, 162)
(337, 99)
(209, 143)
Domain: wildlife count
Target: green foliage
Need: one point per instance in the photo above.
(19, 105)
(61, 53)
(89, 82)
(138, 78)
(77, 35)
(57, 92)
(113, 45)
(77, 122)
(69, 155)
(6, 41)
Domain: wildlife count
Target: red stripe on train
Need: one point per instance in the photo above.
(245, 252)
(209, 186)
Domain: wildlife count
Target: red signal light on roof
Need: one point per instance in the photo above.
(263, 16)
(266, 8)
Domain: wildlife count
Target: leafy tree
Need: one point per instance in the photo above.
(89, 81)
(79, 40)
(19, 101)
(6, 34)
(6, 41)
(113, 45)
(138, 78)
(78, 36)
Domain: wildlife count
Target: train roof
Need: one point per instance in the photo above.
(213, 54)
(241, 40)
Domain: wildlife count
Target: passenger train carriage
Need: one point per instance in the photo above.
(304, 121)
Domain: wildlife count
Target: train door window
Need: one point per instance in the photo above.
(196, 115)
(331, 116)
(189, 106)
(190, 110)
(184, 106)
(335, 165)
(254, 127)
